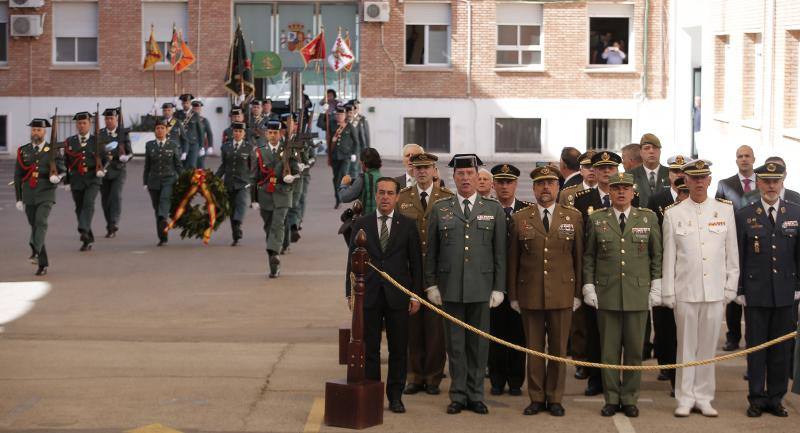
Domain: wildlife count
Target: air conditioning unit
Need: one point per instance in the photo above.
(376, 11)
(25, 3)
(26, 25)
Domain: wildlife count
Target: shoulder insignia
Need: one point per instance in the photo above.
(671, 206)
(570, 187)
(445, 190)
(408, 188)
(646, 210)
(722, 200)
(583, 192)
(443, 199)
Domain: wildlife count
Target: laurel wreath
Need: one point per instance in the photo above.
(196, 219)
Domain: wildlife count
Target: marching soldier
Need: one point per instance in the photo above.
(343, 148)
(297, 153)
(236, 115)
(426, 329)
(162, 165)
(310, 159)
(465, 270)
(272, 191)
(360, 122)
(622, 276)
(207, 139)
(186, 106)
(506, 365)
(194, 134)
(257, 124)
(235, 171)
(769, 257)
(544, 280)
(701, 274)
(38, 170)
(116, 171)
(84, 174)
(350, 115)
(175, 131)
(566, 197)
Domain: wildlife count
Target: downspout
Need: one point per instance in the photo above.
(469, 69)
(645, 41)
(771, 129)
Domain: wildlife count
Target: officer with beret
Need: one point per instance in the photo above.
(116, 169)
(622, 278)
(465, 271)
(235, 171)
(85, 170)
(769, 259)
(236, 115)
(38, 170)
(175, 129)
(207, 139)
(651, 177)
(162, 166)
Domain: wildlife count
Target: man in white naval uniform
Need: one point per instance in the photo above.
(701, 276)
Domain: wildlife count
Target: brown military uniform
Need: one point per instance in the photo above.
(544, 277)
(567, 195)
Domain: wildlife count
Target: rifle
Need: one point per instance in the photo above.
(120, 128)
(99, 148)
(53, 144)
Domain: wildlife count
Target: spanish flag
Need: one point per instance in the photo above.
(175, 53)
(188, 56)
(314, 50)
(153, 54)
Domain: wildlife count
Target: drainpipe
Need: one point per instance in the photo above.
(645, 40)
(469, 69)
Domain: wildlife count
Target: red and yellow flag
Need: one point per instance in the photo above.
(153, 54)
(349, 66)
(314, 50)
(175, 53)
(187, 57)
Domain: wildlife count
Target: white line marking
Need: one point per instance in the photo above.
(17, 298)
(623, 424)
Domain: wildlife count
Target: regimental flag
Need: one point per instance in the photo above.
(239, 76)
(153, 54)
(187, 56)
(340, 56)
(175, 53)
(347, 42)
(314, 50)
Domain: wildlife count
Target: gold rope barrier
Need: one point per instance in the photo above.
(549, 357)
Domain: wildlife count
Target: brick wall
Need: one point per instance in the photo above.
(719, 72)
(790, 96)
(748, 80)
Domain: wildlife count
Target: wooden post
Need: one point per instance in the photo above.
(355, 402)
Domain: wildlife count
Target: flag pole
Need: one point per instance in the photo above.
(328, 137)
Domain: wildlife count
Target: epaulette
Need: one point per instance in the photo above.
(490, 199)
(444, 189)
(407, 188)
(570, 187)
(583, 192)
(444, 198)
(722, 200)
(646, 210)
(570, 207)
(527, 203)
(671, 206)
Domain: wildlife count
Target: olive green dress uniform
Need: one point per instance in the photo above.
(622, 265)
(116, 173)
(235, 170)
(426, 348)
(343, 144)
(194, 133)
(162, 166)
(309, 158)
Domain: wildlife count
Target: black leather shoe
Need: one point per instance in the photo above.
(592, 391)
(662, 376)
(86, 246)
(496, 391)
(580, 373)
(454, 408)
(478, 407)
(432, 389)
(630, 410)
(534, 408)
(235, 243)
(274, 266)
(516, 392)
(397, 406)
(730, 346)
(754, 411)
(413, 388)
(556, 409)
(609, 410)
(41, 271)
(778, 411)
(34, 259)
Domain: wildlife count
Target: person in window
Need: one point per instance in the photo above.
(600, 48)
(614, 55)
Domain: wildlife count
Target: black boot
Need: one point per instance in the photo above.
(161, 224)
(34, 257)
(274, 264)
(86, 243)
(236, 228)
(295, 236)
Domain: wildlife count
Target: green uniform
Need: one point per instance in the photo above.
(83, 181)
(162, 165)
(33, 188)
(298, 154)
(309, 158)
(177, 135)
(273, 195)
(194, 134)
(466, 259)
(114, 180)
(235, 170)
(622, 265)
(344, 144)
(206, 142)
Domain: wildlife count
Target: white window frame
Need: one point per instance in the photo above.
(613, 10)
(730, 84)
(163, 64)
(520, 48)
(55, 36)
(525, 117)
(758, 75)
(427, 24)
(7, 35)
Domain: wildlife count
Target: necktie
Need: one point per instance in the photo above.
(423, 197)
(622, 222)
(652, 181)
(509, 211)
(747, 185)
(83, 142)
(466, 208)
(606, 201)
(384, 236)
(771, 216)
(546, 220)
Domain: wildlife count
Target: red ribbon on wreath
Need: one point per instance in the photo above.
(198, 185)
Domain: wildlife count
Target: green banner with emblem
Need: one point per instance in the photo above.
(266, 64)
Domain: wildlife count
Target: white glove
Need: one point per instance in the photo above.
(67, 188)
(202, 152)
(124, 158)
(312, 161)
(101, 173)
(589, 295)
(797, 295)
(576, 303)
(668, 301)
(301, 166)
(730, 295)
(515, 306)
(324, 108)
(353, 158)
(145, 187)
(255, 205)
(740, 300)
(655, 293)
(54, 179)
(19, 206)
(496, 299)
(288, 178)
(433, 295)
(210, 151)
(183, 156)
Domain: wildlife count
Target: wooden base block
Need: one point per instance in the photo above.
(344, 340)
(353, 405)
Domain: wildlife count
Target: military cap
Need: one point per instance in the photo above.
(423, 159)
(621, 179)
(697, 167)
(675, 162)
(274, 125)
(39, 123)
(465, 160)
(650, 139)
(544, 172)
(354, 102)
(286, 116)
(255, 102)
(505, 171)
(110, 112)
(167, 105)
(238, 125)
(340, 109)
(161, 121)
(186, 97)
(348, 107)
(586, 157)
(267, 100)
(235, 111)
(770, 170)
(197, 103)
(83, 115)
(606, 158)
(680, 184)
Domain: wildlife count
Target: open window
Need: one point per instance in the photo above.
(427, 33)
(610, 35)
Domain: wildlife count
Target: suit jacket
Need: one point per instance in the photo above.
(622, 264)
(755, 196)
(466, 256)
(574, 180)
(643, 185)
(32, 174)
(81, 164)
(731, 189)
(659, 203)
(410, 205)
(544, 268)
(161, 163)
(115, 167)
(402, 260)
(769, 256)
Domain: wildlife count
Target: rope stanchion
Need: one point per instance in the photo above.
(549, 357)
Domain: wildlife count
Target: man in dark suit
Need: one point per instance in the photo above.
(734, 189)
(570, 167)
(407, 178)
(651, 177)
(395, 248)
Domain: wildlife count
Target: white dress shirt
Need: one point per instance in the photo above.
(549, 210)
(388, 221)
(618, 213)
(752, 181)
(586, 186)
(471, 199)
(773, 206)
